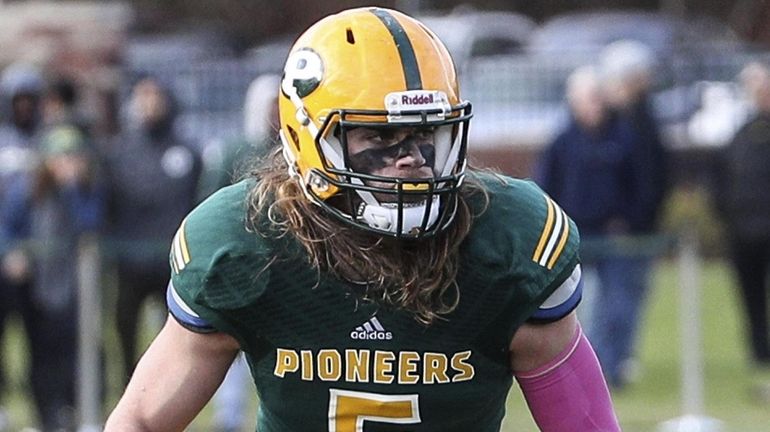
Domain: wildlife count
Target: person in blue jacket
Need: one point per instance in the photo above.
(600, 172)
(47, 214)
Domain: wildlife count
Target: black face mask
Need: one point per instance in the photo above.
(371, 160)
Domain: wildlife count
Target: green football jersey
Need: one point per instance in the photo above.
(323, 360)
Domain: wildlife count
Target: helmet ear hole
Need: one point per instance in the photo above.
(351, 38)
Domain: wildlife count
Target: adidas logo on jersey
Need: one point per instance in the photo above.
(371, 330)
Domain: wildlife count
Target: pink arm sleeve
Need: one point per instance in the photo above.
(569, 393)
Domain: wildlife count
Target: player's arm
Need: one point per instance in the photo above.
(560, 377)
(550, 357)
(534, 345)
(175, 378)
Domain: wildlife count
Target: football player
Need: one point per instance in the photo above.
(374, 281)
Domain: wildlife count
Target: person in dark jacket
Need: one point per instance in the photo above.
(744, 201)
(593, 168)
(153, 177)
(627, 72)
(21, 85)
(46, 216)
(585, 166)
(627, 69)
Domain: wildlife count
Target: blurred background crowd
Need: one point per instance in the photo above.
(643, 119)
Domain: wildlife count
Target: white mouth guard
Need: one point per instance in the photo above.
(384, 216)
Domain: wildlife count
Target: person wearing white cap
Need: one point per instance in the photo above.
(627, 69)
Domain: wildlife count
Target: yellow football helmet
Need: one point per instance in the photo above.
(375, 68)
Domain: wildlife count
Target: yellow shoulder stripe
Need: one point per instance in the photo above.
(554, 236)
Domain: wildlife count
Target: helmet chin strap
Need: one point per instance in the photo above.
(384, 216)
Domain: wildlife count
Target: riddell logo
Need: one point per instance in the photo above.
(371, 330)
(420, 99)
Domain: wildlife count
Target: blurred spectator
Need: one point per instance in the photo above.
(260, 124)
(593, 169)
(260, 112)
(628, 68)
(584, 168)
(223, 161)
(21, 86)
(152, 177)
(45, 217)
(60, 106)
(20, 89)
(744, 200)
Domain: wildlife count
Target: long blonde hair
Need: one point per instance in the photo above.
(414, 275)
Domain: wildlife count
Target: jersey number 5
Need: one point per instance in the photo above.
(348, 410)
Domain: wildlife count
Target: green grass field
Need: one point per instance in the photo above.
(657, 396)
(641, 407)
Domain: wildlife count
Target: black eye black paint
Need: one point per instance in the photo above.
(370, 160)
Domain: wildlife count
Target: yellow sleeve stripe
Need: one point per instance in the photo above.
(183, 243)
(554, 236)
(180, 255)
(173, 263)
(546, 230)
